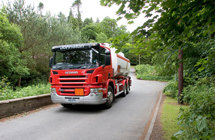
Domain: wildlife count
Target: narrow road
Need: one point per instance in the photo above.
(124, 121)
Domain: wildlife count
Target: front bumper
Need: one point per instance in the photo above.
(92, 98)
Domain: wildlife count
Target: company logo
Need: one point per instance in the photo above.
(71, 72)
(64, 47)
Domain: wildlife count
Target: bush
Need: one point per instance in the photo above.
(200, 85)
(171, 89)
(8, 93)
(148, 72)
(198, 121)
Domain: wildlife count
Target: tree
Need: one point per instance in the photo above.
(61, 17)
(90, 31)
(101, 38)
(40, 7)
(11, 63)
(108, 26)
(87, 21)
(77, 5)
(40, 33)
(180, 24)
(97, 20)
(70, 14)
(74, 23)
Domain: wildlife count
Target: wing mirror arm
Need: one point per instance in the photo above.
(50, 62)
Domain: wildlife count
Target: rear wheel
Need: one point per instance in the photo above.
(110, 98)
(124, 90)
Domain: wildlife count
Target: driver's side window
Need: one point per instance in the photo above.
(59, 57)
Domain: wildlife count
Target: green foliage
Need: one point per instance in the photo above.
(7, 93)
(11, 41)
(133, 58)
(206, 63)
(109, 27)
(147, 72)
(101, 37)
(198, 121)
(180, 25)
(90, 31)
(171, 89)
(27, 36)
(164, 63)
(175, 25)
(120, 41)
(198, 85)
(61, 17)
(105, 31)
(4, 85)
(40, 33)
(77, 6)
(87, 21)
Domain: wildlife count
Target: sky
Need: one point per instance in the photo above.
(89, 8)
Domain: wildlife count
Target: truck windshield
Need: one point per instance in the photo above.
(75, 59)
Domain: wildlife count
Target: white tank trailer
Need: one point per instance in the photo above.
(120, 63)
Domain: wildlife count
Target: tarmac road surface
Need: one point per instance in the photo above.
(124, 121)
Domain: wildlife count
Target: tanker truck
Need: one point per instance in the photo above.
(88, 74)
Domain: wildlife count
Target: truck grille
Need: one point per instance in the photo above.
(68, 88)
(70, 85)
(72, 81)
(67, 92)
(72, 76)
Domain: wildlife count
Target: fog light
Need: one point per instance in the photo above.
(53, 90)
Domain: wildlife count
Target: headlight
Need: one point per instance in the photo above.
(53, 90)
(95, 90)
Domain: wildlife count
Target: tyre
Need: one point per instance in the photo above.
(67, 105)
(110, 98)
(124, 90)
(128, 88)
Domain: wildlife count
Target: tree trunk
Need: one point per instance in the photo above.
(139, 59)
(19, 81)
(180, 77)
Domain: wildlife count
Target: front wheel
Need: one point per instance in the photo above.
(128, 88)
(110, 98)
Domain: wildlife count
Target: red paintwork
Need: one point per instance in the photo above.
(86, 80)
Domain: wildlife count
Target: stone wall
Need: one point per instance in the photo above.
(16, 106)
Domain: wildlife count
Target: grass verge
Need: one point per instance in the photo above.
(170, 112)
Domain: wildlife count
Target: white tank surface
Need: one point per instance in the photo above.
(120, 63)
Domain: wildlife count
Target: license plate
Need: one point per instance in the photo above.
(79, 92)
(71, 100)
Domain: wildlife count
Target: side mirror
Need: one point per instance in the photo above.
(50, 62)
(107, 60)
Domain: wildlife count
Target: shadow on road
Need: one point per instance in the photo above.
(81, 109)
(86, 109)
